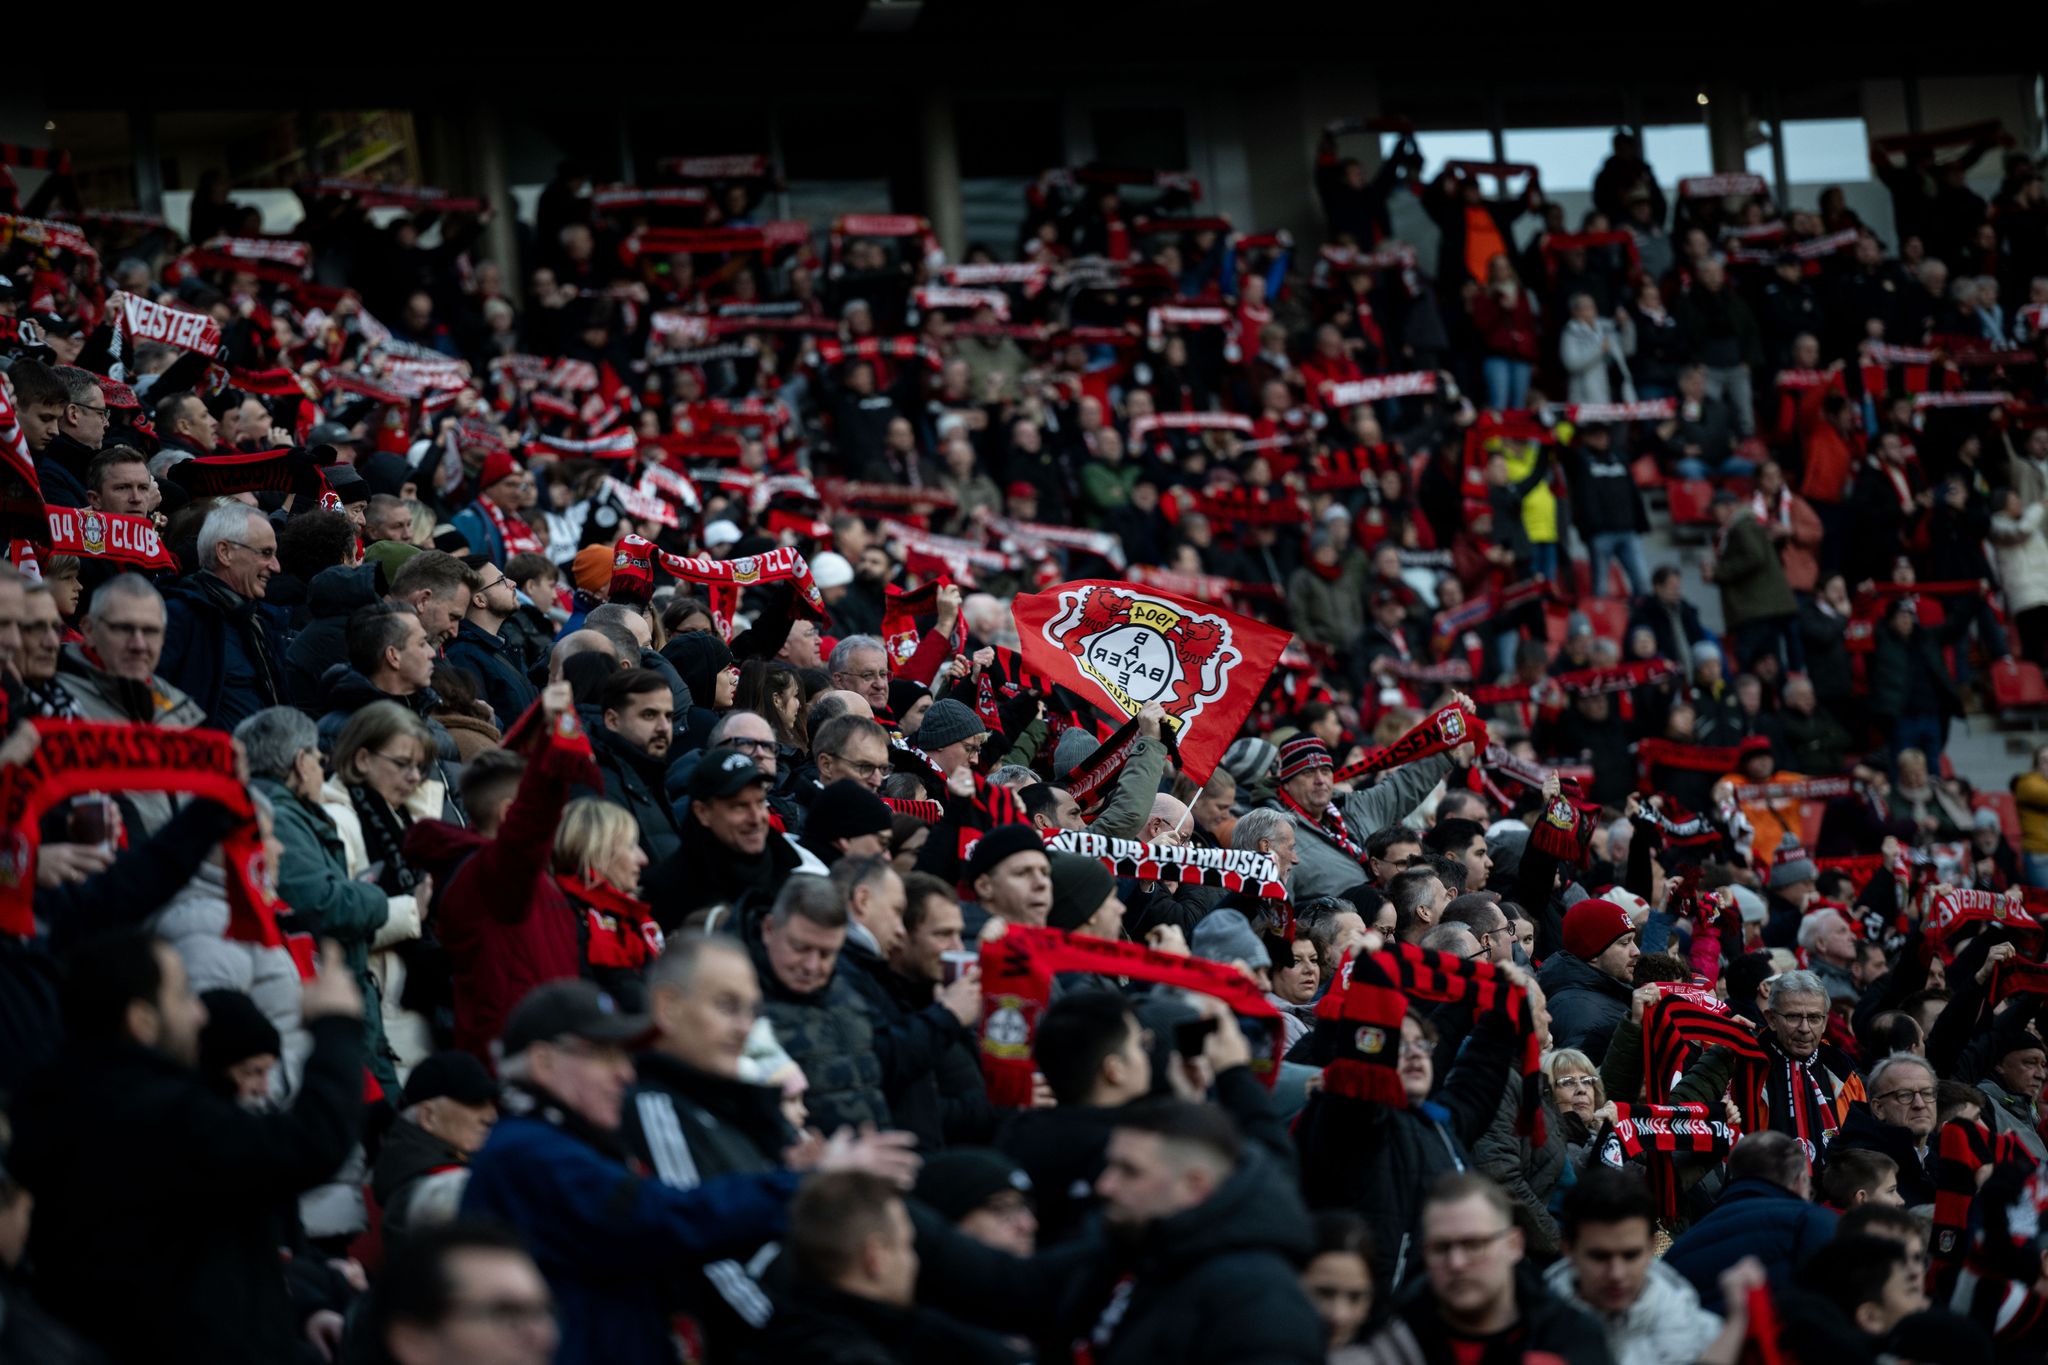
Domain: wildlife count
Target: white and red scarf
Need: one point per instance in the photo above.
(1331, 825)
(517, 537)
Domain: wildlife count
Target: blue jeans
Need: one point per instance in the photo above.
(1543, 560)
(2036, 868)
(1927, 733)
(1734, 467)
(1627, 547)
(1507, 382)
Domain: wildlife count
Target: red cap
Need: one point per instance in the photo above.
(1022, 488)
(117, 394)
(498, 465)
(1592, 926)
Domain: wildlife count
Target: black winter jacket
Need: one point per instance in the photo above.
(331, 598)
(1585, 1003)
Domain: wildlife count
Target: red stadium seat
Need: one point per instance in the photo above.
(1646, 473)
(1609, 616)
(1691, 500)
(2017, 685)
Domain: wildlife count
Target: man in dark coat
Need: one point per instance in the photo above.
(482, 648)
(631, 747)
(332, 596)
(1912, 694)
(1588, 984)
(818, 1014)
(730, 854)
(128, 1152)
(1764, 1212)
(446, 1111)
(1486, 1294)
(223, 646)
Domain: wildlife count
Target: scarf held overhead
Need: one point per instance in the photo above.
(1232, 869)
(80, 756)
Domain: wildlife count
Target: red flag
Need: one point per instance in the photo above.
(1121, 647)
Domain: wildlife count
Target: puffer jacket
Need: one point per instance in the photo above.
(195, 923)
(2022, 550)
(1753, 1218)
(829, 1035)
(1585, 1003)
(408, 1034)
(1326, 869)
(1665, 1323)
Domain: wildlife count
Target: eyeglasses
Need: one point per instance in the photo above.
(417, 769)
(1417, 1047)
(1465, 1248)
(860, 769)
(751, 746)
(102, 412)
(1574, 1083)
(1908, 1096)
(871, 676)
(268, 556)
(505, 1313)
(501, 578)
(1809, 1020)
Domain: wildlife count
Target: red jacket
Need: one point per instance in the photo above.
(504, 922)
(1506, 330)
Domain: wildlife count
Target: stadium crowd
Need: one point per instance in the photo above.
(722, 798)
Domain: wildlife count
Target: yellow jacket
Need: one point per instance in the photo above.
(1539, 509)
(2030, 790)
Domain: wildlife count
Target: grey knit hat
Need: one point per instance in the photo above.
(1075, 745)
(947, 722)
(1225, 935)
(1250, 759)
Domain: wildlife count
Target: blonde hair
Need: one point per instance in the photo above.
(372, 728)
(591, 828)
(1577, 1061)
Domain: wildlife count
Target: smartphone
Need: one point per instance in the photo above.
(1191, 1037)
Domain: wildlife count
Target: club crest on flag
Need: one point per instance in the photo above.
(1143, 649)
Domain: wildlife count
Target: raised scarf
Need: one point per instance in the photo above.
(1232, 869)
(77, 756)
(1661, 1130)
(1438, 732)
(621, 931)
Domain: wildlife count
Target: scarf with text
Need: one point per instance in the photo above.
(1494, 602)
(1091, 780)
(93, 534)
(1232, 869)
(612, 445)
(899, 622)
(780, 565)
(77, 756)
(1017, 972)
(1797, 789)
(1330, 824)
(1437, 733)
(1346, 393)
(1581, 682)
(640, 503)
(1661, 1131)
(1951, 914)
(619, 930)
(137, 319)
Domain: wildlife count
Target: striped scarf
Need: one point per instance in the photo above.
(1331, 826)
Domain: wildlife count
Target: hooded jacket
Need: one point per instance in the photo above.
(1213, 1283)
(331, 597)
(501, 916)
(129, 1154)
(609, 1241)
(1585, 1003)
(1665, 1323)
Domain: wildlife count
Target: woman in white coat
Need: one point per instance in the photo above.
(2018, 539)
(1589, 346)
(379, 787)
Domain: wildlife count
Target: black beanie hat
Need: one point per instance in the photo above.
(959, 1180)
(844, 810)
(1079, 887)
(1002, 842)
(235, 1031)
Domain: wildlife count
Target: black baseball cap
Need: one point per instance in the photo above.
(329, 434)
(572, 1009)
(451, 1075)
(724, 772)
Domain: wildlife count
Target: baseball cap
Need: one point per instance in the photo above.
(960, 1180)
(329, 434)
(724, 772)
(572, 1009)
(720, 533)
(450, 1075)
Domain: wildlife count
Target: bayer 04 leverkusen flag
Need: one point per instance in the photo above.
(1121, 646)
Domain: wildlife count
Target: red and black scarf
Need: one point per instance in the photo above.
(620, 931)
(1330, 824)
(1233, 869)
(79, 756)
(286, 470)
(1438, 733)
(514, 534)
(1684, 1023)
(1017, 971)
(1663, 1130)
(1565, 828)
(899, 622)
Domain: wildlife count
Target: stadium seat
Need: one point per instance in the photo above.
(1608, 615)
(1646, 472)
(1691, 500)
(2017, 685)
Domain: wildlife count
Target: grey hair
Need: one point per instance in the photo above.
(1254, 825)
(229, 521)
(79, 385)
(676, 968)
(274, 738)
(1898, 1059)
(1794, 983)
(1012, 775)
(842, 653)
(1455, 939)
(1812, 926)
(132, 585)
